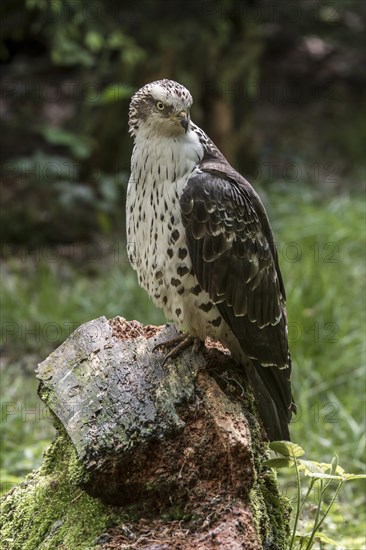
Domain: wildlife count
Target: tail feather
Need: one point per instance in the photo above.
(272, 390)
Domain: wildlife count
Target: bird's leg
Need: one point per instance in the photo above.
(179, 343)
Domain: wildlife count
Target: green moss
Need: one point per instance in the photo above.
(271, 511)
(49, 509)
(275, 533)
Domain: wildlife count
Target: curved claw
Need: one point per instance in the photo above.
(179, 343)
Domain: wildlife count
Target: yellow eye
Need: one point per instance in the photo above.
(160, 105)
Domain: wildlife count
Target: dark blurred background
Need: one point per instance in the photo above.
(279, 86)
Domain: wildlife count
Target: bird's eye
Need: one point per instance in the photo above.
(160, 105)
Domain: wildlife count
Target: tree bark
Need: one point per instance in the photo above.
(172, 452)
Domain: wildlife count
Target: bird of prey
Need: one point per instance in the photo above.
(202, 246)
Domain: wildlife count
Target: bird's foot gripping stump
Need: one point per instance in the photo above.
(147, 456)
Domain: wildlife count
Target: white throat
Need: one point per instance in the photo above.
(165, 158)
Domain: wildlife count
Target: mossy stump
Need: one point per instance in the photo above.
(147, 455)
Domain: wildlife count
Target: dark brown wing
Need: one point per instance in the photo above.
(235, 261)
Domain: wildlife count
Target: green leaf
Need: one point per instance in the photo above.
(116, 92)
(310, 467)
(117, 40)
(334, 464)
(302, 538)
(279, 463)
(80, 145)
(286, 448)
(94, 41)
(328, 468)
(66, 49)
(322, 475)
(305, 538)
(355, 476)
(323, 538)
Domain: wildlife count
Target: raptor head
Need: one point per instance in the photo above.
(163, 107)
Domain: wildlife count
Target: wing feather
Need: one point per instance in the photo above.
(234, 258)
(224, 230)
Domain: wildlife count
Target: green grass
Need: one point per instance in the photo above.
(43, 302)
(326, 307)
(321, 250)
(322, 253)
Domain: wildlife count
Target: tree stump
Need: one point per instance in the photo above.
(161, 456)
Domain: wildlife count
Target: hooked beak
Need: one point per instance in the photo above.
(182, 118)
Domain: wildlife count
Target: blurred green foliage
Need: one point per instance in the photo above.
(241, 61)
(273, 86)
(61, 206)
(324, 482)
